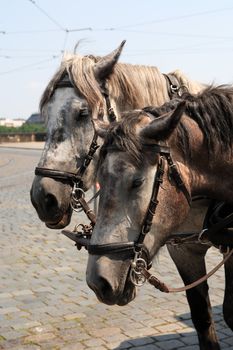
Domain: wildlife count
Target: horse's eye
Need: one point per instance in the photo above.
(83, 112)
(137, 182)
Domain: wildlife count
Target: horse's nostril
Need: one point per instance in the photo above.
(106, 287)
(103, 290)
(51, 201)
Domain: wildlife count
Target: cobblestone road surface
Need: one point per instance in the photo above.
(45, 302)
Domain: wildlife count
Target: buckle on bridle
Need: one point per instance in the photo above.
(179, 90)
(76, 194)
(137, 265)
(174, 88)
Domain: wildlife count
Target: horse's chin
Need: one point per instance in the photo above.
(121, 299)
(62, 222)
(128, 295)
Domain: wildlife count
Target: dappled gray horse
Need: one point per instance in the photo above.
(140, 151)
(74, 96)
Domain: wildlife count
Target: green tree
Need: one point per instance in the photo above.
(24, 128)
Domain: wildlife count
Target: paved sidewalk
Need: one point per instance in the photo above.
(45, 302)
(25, 145)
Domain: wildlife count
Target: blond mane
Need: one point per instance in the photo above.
(131, 86)
(192, 86)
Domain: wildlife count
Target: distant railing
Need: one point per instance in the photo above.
(22, 137)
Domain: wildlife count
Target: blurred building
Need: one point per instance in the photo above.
(35, 118)
(15, 123)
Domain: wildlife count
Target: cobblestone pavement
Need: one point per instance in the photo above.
(45, 302)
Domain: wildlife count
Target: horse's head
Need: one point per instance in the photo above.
(71, 100)
(129, 159)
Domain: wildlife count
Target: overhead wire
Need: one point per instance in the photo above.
(33, 31)
(60, 27)
(47, 15)
(185, 35)
(25, 56)
(28, 65)
(175, 18)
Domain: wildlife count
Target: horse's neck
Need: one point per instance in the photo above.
(209, 175)
(138, 87)
(216, 181)
(146, 86)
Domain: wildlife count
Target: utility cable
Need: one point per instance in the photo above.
(175, 18)
(48, 16)
(27, 66)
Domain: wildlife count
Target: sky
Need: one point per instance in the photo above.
(193, 36)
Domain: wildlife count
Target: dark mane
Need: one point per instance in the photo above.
(122, 137)
(212, 110)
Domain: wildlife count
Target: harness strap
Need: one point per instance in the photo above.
(82, 239)
(65, 82)
(154, 281)
(219, 234)
(175, 175)
(220, 225)
(111, 114)
(96, 195)
(146, 226)
(67, 175)
(109, 248)
(57, 174)
(87, 210)
(172, 85)
(93, 147)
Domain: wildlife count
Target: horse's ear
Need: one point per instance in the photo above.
(162, 127)
(104, 67)
(101, 128)
(165, 108)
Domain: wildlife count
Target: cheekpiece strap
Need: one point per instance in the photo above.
(111, 114)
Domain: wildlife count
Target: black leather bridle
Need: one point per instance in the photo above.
(175, 176)
(137, 250)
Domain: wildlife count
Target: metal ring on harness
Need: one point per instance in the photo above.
(201, 239)
(75, 190)
(136, 276)
(76, 194)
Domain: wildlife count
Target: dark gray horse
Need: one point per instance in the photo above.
(136, 155)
